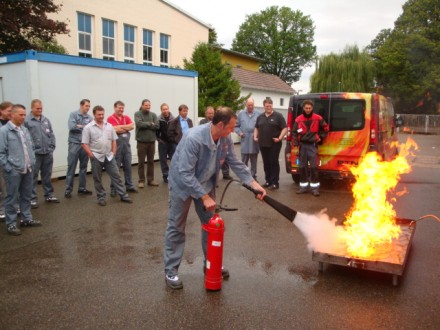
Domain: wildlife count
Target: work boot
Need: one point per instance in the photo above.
(153, 183)
(84, 192)
(225, 272)
(141, 185)
(126, 199)
(30, 223)
(52, 199)
(13, 230)
(173, 281)
(315, 193)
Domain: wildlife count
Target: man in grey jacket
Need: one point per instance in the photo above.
(17, 159)
(146, 126)
(43, 138)
(5, 116)
(77, 121)
(193, 176)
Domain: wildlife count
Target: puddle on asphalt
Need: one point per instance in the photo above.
(305, 274)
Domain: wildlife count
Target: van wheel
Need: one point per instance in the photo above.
(295, 178)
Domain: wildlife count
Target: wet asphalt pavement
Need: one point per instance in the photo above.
(93, 267)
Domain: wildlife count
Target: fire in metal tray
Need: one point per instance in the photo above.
(371, 231)
(389, 258)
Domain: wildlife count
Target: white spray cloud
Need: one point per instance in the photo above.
(321, 232)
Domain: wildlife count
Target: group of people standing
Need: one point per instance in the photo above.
(27, 143)
(262, 132)
(107, 145)
(197, 155)
(258, 132)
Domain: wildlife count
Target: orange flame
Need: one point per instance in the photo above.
(371, 221)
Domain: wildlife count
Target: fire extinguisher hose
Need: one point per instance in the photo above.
(428, 216)
(220, 206)
(284, 210)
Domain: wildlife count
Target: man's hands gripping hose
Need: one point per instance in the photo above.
(210, 204)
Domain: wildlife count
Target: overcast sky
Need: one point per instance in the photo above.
(337, 22)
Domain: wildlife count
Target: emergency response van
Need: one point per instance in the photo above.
(358, 122)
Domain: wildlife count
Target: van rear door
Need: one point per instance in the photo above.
(349, 135)
(348, 116)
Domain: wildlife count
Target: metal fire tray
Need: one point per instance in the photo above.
(390, 258)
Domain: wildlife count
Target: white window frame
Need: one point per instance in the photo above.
(129, 44)
(86, 35)
(164, 51)
(147, 45)
(110, 40)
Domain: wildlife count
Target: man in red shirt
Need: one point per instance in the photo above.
(122, 125)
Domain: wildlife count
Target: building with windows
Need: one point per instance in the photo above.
(246, 70)
(263, 85)
(149, 32)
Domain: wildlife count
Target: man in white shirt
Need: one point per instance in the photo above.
(99, 143)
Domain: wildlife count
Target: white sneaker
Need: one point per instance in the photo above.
(173, 281)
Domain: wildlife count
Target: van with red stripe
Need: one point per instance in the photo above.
(358, 122)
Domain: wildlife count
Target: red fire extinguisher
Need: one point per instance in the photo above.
(214, 253)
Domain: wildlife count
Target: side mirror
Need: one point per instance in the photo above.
(398, 120)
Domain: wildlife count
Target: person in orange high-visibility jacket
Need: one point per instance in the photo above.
(308, 131)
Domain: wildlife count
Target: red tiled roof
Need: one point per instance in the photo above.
(260, 80)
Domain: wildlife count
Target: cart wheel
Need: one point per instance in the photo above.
(395, 280)
(320, 266)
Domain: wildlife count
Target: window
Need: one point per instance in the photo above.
(347, 115)
(85, 35)
(281, 101)
(164, 49)
(148, 47)
(108, 40)
(128, 43)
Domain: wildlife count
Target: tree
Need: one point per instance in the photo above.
(24, 25)
(377, 42)
(50, 47)
(212, 38)
(408, 59)
(216, 85)
(350, 71)
(282, 38)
